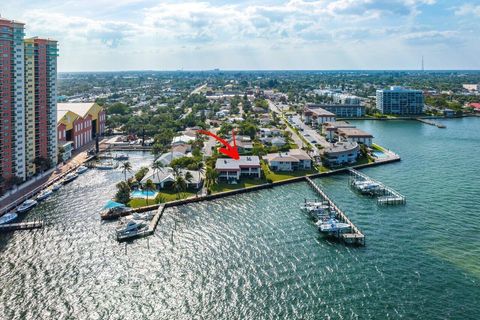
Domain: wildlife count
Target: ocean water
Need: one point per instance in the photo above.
(257, 256)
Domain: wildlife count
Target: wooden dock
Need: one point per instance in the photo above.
(355, 236)
(386, 195)
(147, 232)
(28, 225)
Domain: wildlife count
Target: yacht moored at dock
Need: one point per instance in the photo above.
(81, 169)
(26, 206)
(8, 217)
(120, 157)
(70, 177)
(333, 226)
(44, 194)
(56, 186)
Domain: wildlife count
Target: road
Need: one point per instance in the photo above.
(210, 144)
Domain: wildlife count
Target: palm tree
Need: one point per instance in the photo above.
(126, 167)
(211, 177)
(201, 169)
(179, 185)
(149, 186)
(156, 166)
(188, 177)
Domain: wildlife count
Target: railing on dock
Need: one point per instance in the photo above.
(355, 236)
(386, 195)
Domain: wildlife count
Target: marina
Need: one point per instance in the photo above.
(366, 185)
(355, 236)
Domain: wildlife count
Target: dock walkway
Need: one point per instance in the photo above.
(387, 195)
(355, 236)
(432, 123)
(28, 225)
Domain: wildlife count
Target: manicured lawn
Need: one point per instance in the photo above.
(167, 195)
(243, 183)
(279, 176)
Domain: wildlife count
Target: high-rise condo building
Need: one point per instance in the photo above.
(40, 106)
(28, 76)
(398, 100)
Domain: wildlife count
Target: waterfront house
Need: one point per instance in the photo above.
(232, 170)
(165, 177)
(183, 148)
(292, 160)
(313, 115)
(345, 152)
(329, 129)
(355, 135)
(270, 132)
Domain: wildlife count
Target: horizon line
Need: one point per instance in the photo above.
(271, 70)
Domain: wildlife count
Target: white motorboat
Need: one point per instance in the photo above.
(8, 217)
(81, 169)
(147, 216)
(131, 226)
(56, 186)
(315, 206)
(121, 157)
(27, 205)
(332, 226)
(366, 185)
(44, 194)
(70, 177)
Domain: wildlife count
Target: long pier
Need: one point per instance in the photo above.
(355, 236)
(432, 123)
(28, 225)
(387, 195)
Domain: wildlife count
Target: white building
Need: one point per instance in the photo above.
(292, 160)
(231, 170)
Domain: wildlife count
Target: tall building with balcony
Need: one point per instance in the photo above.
(398, 100)
(28, 117)
(12, 92)
(41, 105)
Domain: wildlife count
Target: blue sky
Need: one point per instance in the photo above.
(272, 34)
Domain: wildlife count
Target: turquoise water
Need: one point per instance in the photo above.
(257, 256)
(143, 194)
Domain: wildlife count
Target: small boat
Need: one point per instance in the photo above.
(107, 166)
(121, 157)
(81, 169)
(56, 186)
(70, 177)
(147, 216)
(130, 227)
(332, 226)
(44, 194)
(315, 206)
(114, 213)
(8, 217)
(366, 186)
(27, 205)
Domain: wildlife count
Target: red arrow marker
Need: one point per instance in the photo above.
(228, 150)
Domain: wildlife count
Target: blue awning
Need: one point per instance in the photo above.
(112, 204)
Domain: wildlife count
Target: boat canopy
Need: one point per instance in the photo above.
(112, 204)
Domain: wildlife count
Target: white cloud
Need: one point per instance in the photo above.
(468, 9)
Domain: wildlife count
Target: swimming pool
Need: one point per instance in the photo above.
(379, 154)
(143, 194)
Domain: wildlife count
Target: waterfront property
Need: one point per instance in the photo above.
(400, 101)
(244, 143)
(355, 135)
(80, 122)
(292, 160)
(314, 115)
(344, 110)
(165, 178)
(232, 170)
(182, 139)
(345, 152)
(329, 129)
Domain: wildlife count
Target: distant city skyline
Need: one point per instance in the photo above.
(122, 35)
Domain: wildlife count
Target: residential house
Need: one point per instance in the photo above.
(244, 143)
(232, 170)
(329, 129)
(183, 139)
(168, 157)
(313, 115)
(341, 153)
(165, 177)
(355, 135)
(292, 160)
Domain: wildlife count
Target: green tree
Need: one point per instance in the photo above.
(149, 186)
(123, 192)
(179, 184)
(141, 174)
(126, 167)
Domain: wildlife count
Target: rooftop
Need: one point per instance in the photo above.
(79, 108)
(231, 164)
(340, 147)
(353, 132)
(319, 112)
